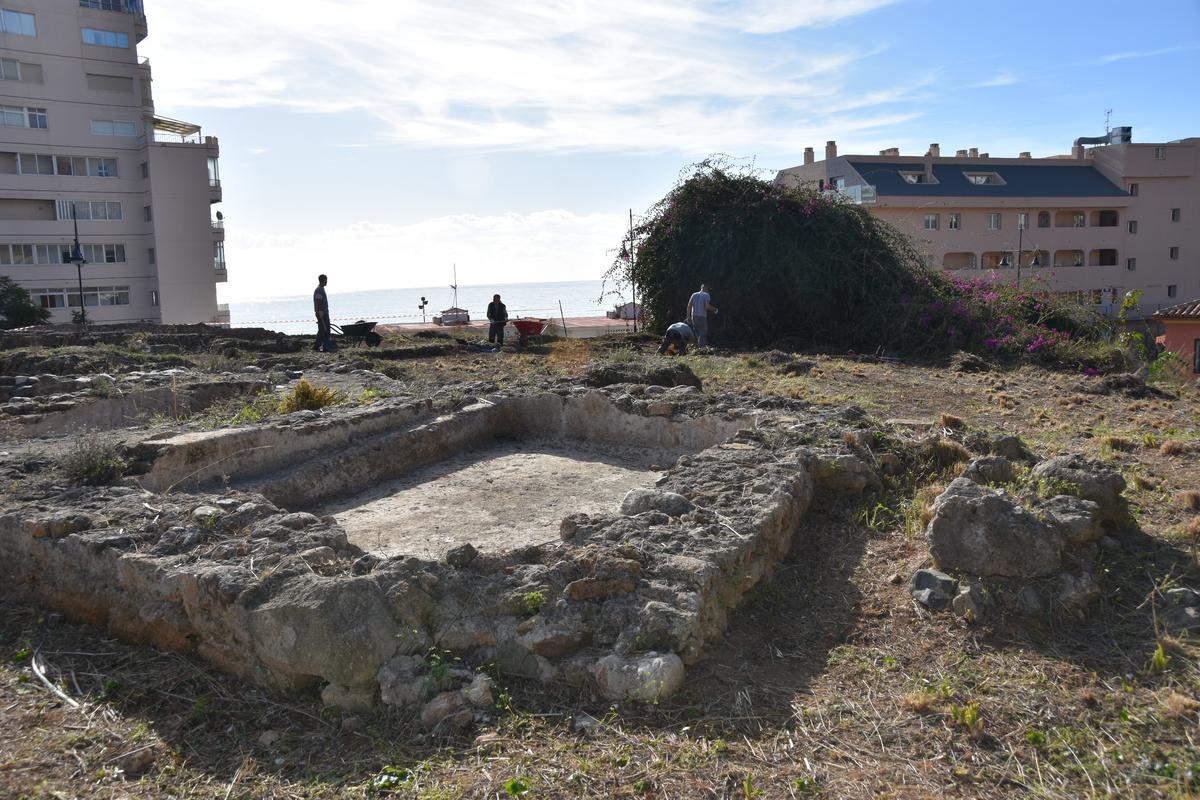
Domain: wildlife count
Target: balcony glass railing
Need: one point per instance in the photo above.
(122, 6)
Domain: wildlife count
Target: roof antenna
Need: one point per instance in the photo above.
(1107, 120)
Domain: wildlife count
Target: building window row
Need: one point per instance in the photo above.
(105, 38)
(22, 117)
(20, 71)
(32, 254)
(93, 296)
(17, 22)
(38, 164)
(89, 209)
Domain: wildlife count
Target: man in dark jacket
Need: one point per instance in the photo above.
(324, 341)
(497, 314)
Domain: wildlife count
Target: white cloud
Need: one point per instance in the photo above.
(658, 75)
(1004, 78)
(553, 245)
(1133, 54)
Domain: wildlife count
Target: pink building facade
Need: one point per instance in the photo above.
(1097, 223)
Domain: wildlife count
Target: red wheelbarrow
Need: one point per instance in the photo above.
(529, 331)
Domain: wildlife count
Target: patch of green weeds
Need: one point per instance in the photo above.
(967, 716)
(516, 787)
(531, 603)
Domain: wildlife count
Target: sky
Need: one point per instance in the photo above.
(385, 141)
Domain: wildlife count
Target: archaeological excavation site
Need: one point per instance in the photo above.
(380, 533)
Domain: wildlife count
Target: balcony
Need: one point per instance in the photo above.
(218, 230)
(859, 195)
(214, 191)
(174, 131)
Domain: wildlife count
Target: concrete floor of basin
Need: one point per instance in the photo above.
(513, 494)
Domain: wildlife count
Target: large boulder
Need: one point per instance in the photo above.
(1078, 520)
(989, 470)
(982, 532)
(639, 501)
(335, 629)
(1089, 480)
(649, 677)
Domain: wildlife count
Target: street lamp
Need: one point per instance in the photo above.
(1037, 256)
(78, 260)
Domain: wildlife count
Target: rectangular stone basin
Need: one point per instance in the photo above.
(498, 498)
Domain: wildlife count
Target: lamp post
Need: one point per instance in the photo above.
(78, 260)
(1037, 258)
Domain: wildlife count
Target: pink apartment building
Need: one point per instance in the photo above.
(79, 137)
(1104, 220)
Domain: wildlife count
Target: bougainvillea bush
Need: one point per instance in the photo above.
(812, 268)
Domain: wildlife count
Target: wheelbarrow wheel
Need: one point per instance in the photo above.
(373, 339)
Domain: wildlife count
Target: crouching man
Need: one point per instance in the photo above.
(678, 336)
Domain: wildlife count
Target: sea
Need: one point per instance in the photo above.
(295, 314)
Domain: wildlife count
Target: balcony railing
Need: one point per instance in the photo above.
(122, 6)
(214, 183)
(218, 226)
(167, 137)
(858, 194)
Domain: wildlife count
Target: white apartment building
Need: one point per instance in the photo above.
(79, 141)
(1096, 223)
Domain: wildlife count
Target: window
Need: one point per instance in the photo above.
(34, 164)
(1133, 189)
(1131, 264)
(89, 209)
(218, 255)
(110, 83)
(983, 178)
(151, 258)
(993, 222)
(48, 298)
(1176, 214)
(955, 222)
(1173, 253)
(145, 169)
(1172, 290)
(154, 297)
(1133, 226)
(917, 177)
(10, 70)
(1043, 219)
(1078, 219)
(29, 254)
(931, 222)
(1022, 221)
(18, 117)
(99, 296)
(214, 173)
(147, 213)
(17, 23)
(105, 38)
(102, 167)
(108, 127)
(1160, 153)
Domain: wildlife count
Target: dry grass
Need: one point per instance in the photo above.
(1117, 443)
(951, 421)
(1173, 447)
(1189, 499)
(306, 397)
(1180, 706)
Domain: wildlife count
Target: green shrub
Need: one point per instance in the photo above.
(17, 309)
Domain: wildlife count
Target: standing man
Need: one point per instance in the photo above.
(497, 314)
(324, 342)
(699, 305)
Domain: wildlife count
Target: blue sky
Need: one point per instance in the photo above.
(381, 141)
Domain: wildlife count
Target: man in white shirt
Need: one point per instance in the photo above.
(699, 304)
